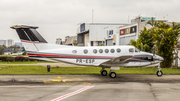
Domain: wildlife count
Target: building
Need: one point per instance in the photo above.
(110, 34)
(19, 44)
(10, 42)
(126, 33)
(132, 31)
(71, 41)
(2, 42)
(66, 38)
(95, 33)
(59, 41)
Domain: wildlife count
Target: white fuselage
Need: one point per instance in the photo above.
(87, 56)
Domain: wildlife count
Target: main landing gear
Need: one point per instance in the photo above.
(159, 73)
(103, 72)
(111, 73)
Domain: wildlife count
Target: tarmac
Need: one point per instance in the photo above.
(57, 79)
(89, 88)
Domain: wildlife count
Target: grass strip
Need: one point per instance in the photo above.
(40, 70)
(24, 62)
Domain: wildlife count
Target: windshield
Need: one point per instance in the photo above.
(137, 50)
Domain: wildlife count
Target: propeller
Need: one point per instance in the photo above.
(154, 51)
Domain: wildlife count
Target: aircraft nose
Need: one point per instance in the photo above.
(161, 59)
(158, 58)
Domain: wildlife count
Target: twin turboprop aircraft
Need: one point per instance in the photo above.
(111, 57)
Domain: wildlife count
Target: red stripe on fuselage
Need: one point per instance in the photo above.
(69, 56)
(28, 41)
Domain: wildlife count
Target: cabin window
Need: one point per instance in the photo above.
(118, 50)
(100, 51)
(131, 49)
(112, 50)
(95, 51)
(106, 50)
(74, 51)
(85, 51)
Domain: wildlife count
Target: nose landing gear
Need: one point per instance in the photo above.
(159, 73)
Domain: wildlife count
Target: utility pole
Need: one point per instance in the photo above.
(92, 15)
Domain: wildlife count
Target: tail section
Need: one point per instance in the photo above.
(29, 37)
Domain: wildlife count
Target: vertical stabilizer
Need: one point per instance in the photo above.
(29, 37)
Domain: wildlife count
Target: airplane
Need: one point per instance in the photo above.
(111, 57)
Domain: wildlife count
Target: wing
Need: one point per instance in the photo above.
(120, 59)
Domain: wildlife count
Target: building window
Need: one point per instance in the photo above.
(95, 51)
(106, 50)
(74, 51)
(131, 50)
(118, 50)
(100, 51)
(112, 50)
(85, 51)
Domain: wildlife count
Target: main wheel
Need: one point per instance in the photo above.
(159, 73)
(103, 72)
(112, 75)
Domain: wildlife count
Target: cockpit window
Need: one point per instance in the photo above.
(137, 50)
(131, 49)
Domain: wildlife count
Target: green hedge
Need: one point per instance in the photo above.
(15, 58)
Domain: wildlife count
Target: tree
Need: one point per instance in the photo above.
(16, 48)
(146, 38)
(24, 53)
(166, 39)
(4, 46)
(2, 50)
(23, 49)
(145, 41)
(138, 44)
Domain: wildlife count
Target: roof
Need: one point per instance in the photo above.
(107, 23)
(23, 26)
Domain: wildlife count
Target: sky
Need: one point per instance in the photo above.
(60, 18)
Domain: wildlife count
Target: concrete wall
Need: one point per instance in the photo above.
(86, 39)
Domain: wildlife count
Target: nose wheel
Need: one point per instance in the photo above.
(159, 73)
